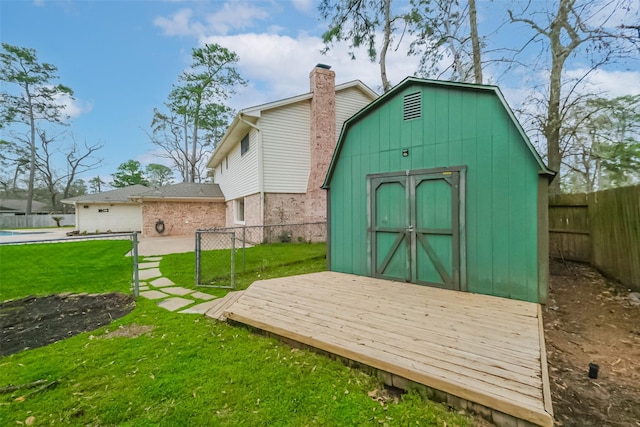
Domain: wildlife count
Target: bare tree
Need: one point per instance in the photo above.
(571, 27)
(77, 161)
(358, 21)
(14, 160)
(38, 99)
(446, 35)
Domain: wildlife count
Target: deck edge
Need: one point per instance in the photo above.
(502, 412)
(546, 386)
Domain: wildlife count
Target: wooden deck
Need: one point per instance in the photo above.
(482, 350)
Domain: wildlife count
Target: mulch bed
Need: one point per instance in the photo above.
(34, 322)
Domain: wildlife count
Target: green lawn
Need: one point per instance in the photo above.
(260, 262)
(187, 370)
(47, 268)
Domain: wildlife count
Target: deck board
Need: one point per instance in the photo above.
(483, 349)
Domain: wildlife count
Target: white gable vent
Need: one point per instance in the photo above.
(412, 106)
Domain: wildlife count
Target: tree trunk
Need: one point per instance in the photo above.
(32, 155)
(475, 42)
(385, 46)
(185, 172)
(552, 126)
(559, 54)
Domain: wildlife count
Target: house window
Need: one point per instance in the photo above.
(244, 145)
(239, 210)
(412, 106)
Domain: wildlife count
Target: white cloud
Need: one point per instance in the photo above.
(231, 16)
(608, 83)
(73, 107)
(278, 66)
(178, 25)
(303, 5)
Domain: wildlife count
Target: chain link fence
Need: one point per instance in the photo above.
(20, 238)
(221, 252)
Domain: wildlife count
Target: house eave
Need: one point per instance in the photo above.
(180, 199)
(238, 127)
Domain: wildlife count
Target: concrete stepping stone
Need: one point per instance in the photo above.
(152, 258)
(153, 294)
(201, 308)
(143, 288)
(173, 304)
(177, 290)
(202, 295)
(145, 265)
(162, 282)
(149, 274)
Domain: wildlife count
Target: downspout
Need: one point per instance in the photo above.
(260, 165)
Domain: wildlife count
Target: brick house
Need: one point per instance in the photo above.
(272, 160)
(180, 209)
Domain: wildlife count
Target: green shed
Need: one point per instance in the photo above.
(436, 183)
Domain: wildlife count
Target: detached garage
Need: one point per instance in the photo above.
(109, 211)
(436, 183)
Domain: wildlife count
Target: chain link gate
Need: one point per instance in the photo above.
(215, 259)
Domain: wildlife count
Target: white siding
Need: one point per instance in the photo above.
(285, 135)
(119, 217)
(240, 178)
(349, 102)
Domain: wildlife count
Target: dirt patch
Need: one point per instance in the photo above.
(129, 331)
(590, 319)
(35, 322)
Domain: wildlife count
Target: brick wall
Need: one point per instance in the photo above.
(181, 218)
(281, 208)
(323, 141)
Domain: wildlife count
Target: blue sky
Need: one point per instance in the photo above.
(121, 58)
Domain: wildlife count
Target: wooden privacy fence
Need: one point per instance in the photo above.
(602, 228)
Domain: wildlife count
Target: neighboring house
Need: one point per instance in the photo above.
(108, 211)
(272, 160)
(436, 183)
(19, 207)
(180, 209)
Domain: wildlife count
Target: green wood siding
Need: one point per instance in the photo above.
(458, 127)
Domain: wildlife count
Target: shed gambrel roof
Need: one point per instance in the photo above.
(182, 192)
(119, 195)
(248, 117)
(409, 81)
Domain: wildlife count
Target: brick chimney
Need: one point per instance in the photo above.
(323, 139)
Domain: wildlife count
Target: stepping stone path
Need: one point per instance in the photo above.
(155, 287)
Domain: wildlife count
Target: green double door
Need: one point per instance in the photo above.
(414, 226)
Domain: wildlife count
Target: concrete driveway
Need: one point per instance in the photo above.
(147, 246)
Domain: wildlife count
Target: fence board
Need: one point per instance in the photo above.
(24, 221)
(614, 216)
(569, 234)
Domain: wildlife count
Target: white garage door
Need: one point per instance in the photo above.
(100, 218)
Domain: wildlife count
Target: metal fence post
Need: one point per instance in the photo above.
(198, 258)
(244, 243)
(136, 277)
(233, 260)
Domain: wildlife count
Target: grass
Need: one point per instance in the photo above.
(46, 268)
(260, 262)
(188, 370)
